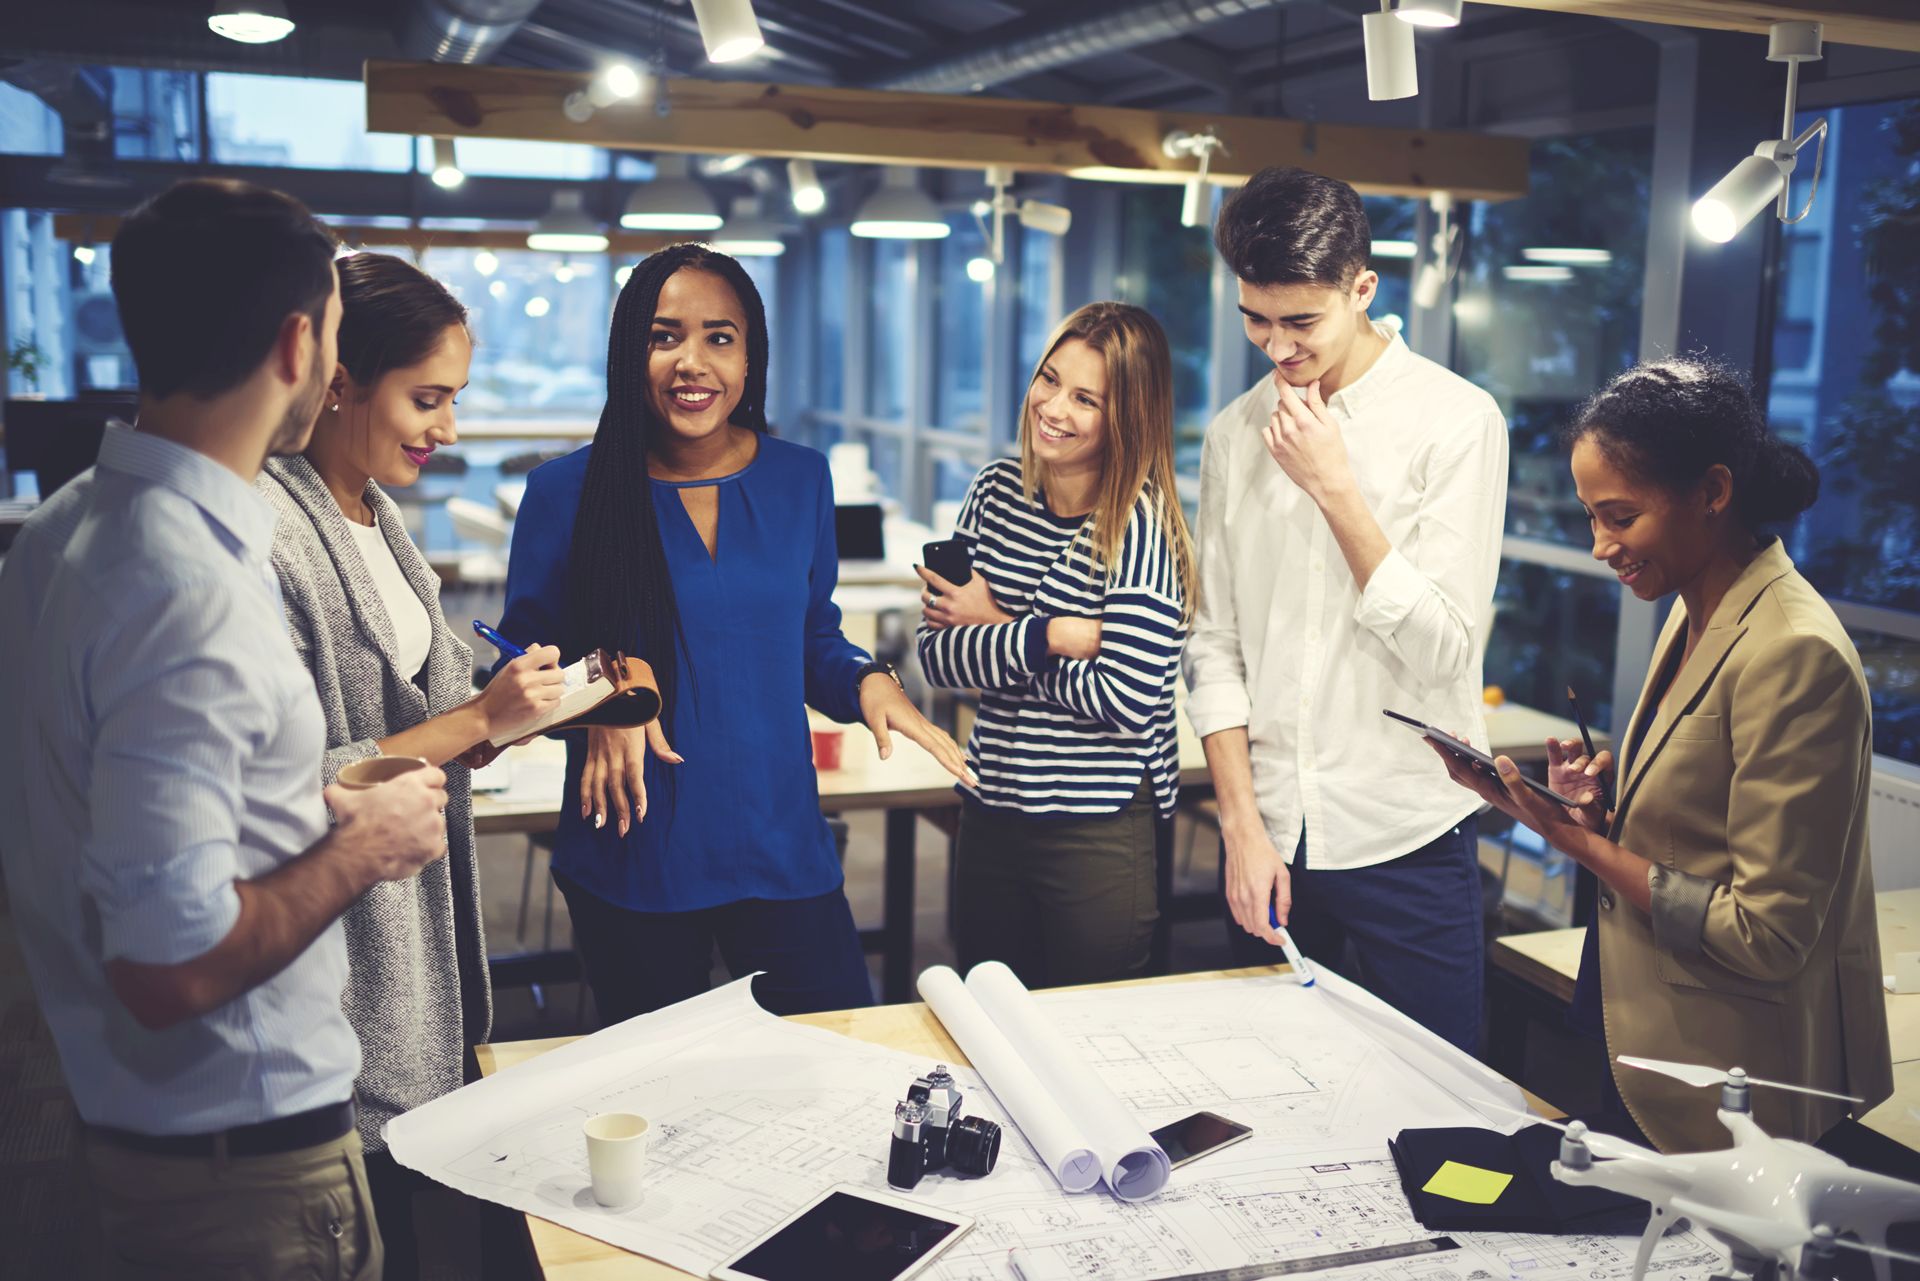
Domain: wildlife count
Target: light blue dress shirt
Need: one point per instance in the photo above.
(167, 741)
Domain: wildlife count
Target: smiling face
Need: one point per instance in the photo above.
(1067, 407)
(697, 354)
(1307, 330)
(1654, 540)
(390, 430)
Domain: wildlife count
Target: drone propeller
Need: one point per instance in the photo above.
(1692, 1074)
(1878, 1251)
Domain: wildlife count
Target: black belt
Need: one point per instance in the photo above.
(263, 1138)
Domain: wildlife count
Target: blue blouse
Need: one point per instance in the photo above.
(761, 642)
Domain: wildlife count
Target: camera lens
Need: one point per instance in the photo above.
(973, 1145)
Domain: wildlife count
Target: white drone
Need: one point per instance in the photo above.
(1783, 1210)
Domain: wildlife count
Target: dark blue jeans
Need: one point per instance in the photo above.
(638, 962)
(1414, 922)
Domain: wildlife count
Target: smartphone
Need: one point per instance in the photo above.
(848, 1232)
(949, 559)
(1191, 1138)
(1474, 756)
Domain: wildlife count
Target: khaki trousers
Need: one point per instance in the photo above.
(304, 1214)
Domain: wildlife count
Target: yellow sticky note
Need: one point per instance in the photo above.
(1468, 1183)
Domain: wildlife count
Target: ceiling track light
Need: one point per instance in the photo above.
(1430, 13)
(1034, 215)
(803, 187)
(1195, 205)
(1392, 71)
(616, 82)
(728, 29)
(446, 171)
(1766, 177)
(250, 21)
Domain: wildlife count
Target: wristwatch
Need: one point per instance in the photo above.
(860, 677)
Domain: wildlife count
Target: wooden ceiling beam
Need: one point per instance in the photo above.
(96, 229)
(1882, 24)
(864, 126)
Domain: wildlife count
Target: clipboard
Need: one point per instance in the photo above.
(1474, 757)
(606, 687)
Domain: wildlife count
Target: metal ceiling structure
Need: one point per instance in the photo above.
(1131, 53)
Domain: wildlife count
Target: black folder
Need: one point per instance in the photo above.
(1534, 1201)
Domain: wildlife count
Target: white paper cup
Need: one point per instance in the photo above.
(617, 1157)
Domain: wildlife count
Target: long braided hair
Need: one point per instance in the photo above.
(619, 589)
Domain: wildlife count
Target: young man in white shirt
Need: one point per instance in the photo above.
(1351, 508)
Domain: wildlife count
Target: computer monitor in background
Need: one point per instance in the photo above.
(59, 439)
(857, 530)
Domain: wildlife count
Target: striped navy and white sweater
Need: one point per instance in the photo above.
(1057, 736)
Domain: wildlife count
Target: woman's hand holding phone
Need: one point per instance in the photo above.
(970, 604)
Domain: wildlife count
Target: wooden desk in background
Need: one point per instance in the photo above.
(912, 784)
(1533, 975)
(565, 1255)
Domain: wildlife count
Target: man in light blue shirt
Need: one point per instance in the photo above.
(176, 886)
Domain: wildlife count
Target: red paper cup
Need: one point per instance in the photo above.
(826, 747)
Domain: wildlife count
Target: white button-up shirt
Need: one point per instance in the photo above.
(1287, 645)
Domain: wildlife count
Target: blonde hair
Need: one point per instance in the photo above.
(1139, 437)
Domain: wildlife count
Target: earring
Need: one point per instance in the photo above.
(335, 407)
(1711, 512)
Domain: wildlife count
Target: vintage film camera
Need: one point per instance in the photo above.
(929, 1134)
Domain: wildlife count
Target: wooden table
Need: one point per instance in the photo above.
(911, 784)
(1535, 975)
(565, 1255)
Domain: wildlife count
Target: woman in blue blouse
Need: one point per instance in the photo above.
(688, 536)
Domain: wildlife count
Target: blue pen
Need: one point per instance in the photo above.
(1297, 961)
(498, 641)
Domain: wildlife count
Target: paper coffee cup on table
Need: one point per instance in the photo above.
(617, 1157)
(375, 770)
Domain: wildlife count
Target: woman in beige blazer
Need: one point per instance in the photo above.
(1735, 924)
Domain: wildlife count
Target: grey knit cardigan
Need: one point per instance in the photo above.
(417, 992)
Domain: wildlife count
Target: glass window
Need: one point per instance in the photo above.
(540, 330)
(1846, 386)
(960, 362)
(516, 158)
(1038, 313)
(830, 334)
(889, 328)
(1547, 307)
(1393, 222)
(1552, 629)
(1168, 269)
(304, 124)
(28, 126)
(156, 114)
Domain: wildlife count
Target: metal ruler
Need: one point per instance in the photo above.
(1322, 1262)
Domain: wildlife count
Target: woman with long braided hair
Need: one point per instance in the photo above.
(690, 537)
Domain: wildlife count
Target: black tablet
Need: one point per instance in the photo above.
(1474, 756)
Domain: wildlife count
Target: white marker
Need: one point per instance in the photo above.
(1294, 959)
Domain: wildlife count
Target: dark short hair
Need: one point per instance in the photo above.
(392, 315)
(206, 272)
(1294, 227)
(1667, 422)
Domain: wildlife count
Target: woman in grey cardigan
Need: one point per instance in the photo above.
(393, 679)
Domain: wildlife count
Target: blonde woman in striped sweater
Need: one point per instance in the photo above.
(1071, 628)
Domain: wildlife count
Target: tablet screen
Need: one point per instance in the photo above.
(850, 1237)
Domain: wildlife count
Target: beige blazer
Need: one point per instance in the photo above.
(1748, 793)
